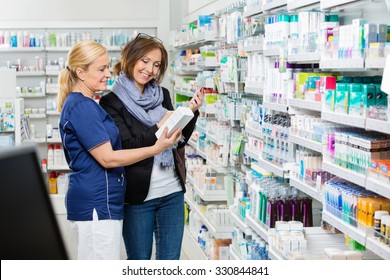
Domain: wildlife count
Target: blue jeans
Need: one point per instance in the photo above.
(163, 217)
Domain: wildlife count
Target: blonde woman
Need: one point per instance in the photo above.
(93, 150)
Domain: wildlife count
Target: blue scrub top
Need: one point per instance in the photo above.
(83, 126)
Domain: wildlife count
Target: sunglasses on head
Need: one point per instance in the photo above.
(147, 36)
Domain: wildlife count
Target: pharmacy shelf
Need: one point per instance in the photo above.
(216, 167)
(307, 143)
(253, 11)
(225, 233)
(356, 178)
(201, 40)
(355, 121)
(201, 153)
(51, 140)
(58, 49)
(191, 247)
(53, 113)
(379, 248)
(252, 153)
(53, 72)
(185, 93)
(282, 171)
(214, 139)
(378, 125)
(238, 220)
(200, 129)
(254, 48)
(30, 73)
(378, 187)
(58, 168)
(232, 254)
(304, 57)
(375, 63)
(210, 195)
(36, 116)
(36, 140)
(253, 131)
(192, 143)
(298, 4)
(304, 187)
(348, 229)
(329, 4)
(356, 64)
(276, 106)
(254, 90)
(274, 5)
(208, 64)
(31, 95)
(274, 255)
(271, 52)
(29, 49)
(305, 104)
(255, 225)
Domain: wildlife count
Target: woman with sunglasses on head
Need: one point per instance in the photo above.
(154, 200)
(92, 147)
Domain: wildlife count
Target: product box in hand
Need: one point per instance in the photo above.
(178, 119)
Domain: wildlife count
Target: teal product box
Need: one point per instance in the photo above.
(356, 104)
(329, 100)
(369, 95)
(341, 98)
(327, 90)
(376, 80)
(368, 80)
(380, 97)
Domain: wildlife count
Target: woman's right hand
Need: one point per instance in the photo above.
(165, 142)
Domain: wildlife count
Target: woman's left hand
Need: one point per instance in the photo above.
(197, 100)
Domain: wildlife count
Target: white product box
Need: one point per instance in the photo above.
(178, 119)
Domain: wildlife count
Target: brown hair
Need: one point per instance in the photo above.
(81, 55)
(135, 49)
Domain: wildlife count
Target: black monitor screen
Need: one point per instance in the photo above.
(29, 228)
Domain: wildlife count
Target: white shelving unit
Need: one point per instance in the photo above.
(305, 104)
(217, 233)
(356, 66)
(260, 229)
(189, 244)
(344, 173)
(304, 187)
(355, 121)
(313, 145)
(237, 219)
(348, 229)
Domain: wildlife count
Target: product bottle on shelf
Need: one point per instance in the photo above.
(58, 156)
(50, 156)
(307, 211)
(272, 208)
(53, 183)
(295, 205)
(284, 206)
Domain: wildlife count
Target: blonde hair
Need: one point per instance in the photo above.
(81, 55)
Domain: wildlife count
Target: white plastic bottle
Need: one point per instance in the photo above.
(50, 157)
(58, 156)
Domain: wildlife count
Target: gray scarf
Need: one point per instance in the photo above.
(147, 108)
